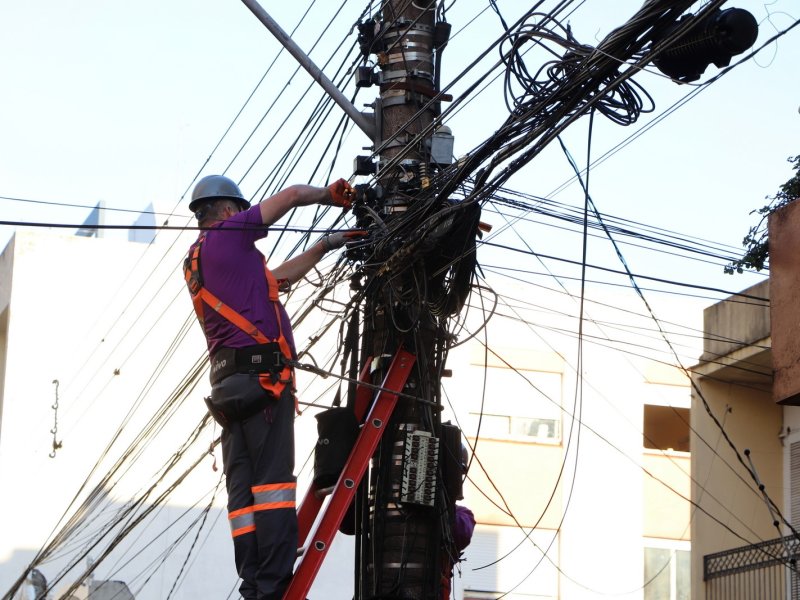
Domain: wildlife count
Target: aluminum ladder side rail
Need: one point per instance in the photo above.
(351, 476)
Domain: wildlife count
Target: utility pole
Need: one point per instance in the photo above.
(399, 532)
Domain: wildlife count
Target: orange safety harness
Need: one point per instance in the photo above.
(201, 295)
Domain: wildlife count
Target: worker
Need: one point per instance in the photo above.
(462, 527)
(252, 385)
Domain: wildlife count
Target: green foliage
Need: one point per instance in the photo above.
(756, 242)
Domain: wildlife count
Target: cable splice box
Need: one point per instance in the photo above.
(420, 463)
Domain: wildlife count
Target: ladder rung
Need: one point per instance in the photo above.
(323, 492)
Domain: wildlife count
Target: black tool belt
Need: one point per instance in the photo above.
(263, 358)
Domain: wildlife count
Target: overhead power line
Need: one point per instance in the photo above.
(86, 206)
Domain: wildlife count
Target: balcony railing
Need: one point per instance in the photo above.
(763, 571)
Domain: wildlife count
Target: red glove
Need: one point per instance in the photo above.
(334, 241)
(342, 194)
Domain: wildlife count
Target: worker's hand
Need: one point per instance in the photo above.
(342, 194)
(334, 241)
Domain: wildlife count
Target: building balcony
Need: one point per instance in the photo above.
(765, 571)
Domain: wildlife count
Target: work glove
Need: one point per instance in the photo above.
(342, 194)
(334, 241)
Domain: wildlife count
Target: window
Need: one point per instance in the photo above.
(666, 574)
(666, 416)
(794, 482)
(523, 568)
(524, 405)
(666, 428)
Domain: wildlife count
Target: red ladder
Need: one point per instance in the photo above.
(353, 472)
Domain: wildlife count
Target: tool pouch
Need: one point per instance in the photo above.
(338, 430)
(239, 397)
(216, 414)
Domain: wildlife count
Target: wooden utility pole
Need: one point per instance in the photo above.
(399, 548)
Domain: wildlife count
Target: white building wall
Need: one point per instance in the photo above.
(603, 526)
(103, 317)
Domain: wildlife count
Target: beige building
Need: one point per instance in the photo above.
(746, 435)
(604, 503)
(742, 441)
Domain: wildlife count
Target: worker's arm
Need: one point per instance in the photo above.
(339, 193)
(296, 267)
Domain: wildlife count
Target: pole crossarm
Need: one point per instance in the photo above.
(360, 119)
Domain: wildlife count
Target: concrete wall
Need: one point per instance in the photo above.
(526, 486)
(784, 262)
(667, 514)
(732, 411)
(736, 322)
(732, 513)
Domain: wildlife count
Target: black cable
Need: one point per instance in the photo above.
(504, 270)
(87, 206)
(638, 276)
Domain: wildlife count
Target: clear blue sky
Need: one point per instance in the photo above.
(124, 102)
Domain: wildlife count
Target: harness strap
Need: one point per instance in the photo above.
(266, 380)
(201, 295)
(232, 316)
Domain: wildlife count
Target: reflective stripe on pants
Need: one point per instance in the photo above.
(242, 521)
(273, 496)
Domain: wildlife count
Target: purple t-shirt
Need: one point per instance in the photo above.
(233, 270)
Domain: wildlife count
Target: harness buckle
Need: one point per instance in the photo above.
(194, 285)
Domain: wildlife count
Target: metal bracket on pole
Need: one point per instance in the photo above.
(361, 120)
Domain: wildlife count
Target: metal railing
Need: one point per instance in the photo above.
(763, 571)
